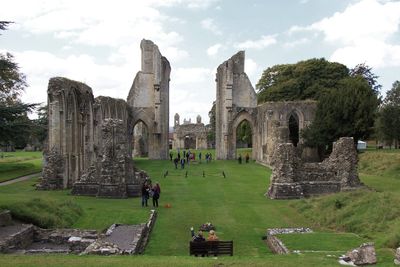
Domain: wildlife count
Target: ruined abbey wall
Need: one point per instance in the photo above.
(149, 99)
(189, 135)
(293, 178)
(90, 139)
(237, 101)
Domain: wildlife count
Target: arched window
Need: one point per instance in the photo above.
(294, 129)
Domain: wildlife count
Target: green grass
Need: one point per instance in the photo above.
(237, 207)
(321, 241)
(20, 163)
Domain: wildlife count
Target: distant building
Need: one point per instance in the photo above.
(189, 135)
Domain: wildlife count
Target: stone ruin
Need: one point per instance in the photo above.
(189, 135)
(293, 178)
(271, 122)
(90, 139)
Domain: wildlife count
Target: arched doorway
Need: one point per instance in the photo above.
(190, 142)
(244, 135)
(140, 140)
(293, 123)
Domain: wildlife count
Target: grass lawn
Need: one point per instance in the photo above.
(20, 163)
(236, 205)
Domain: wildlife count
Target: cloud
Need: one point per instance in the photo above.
(191, 75)
(213, 50)
(292, 44)
(363, 32)
(250, 66)
(209, 24)
(263, 42)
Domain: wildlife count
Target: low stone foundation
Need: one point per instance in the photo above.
(275, 244)
(293, 178)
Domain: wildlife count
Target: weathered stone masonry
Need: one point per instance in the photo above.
(90, 139)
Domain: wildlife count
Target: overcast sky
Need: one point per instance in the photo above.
(98, 42)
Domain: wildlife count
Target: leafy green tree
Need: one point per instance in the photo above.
(365, 71)
(388, 121)
(348, 110)
(303, 80)
(15, 125)
(347, 99)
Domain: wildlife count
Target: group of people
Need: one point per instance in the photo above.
(187, 157)
(150, 191)
(212, 236)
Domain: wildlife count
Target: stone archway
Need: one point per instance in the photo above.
(293, 124)
(240, 118)
(140, 139)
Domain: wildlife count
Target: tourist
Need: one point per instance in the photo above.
(188, 157)
(212, 236)
(171, 155)
(156, 194)
(240, 159)
(207, 157)
(184, 154)
(182, 163)
(247, 157)
(179, 155)
(176, 161)
(200, 156)
(197, 238)
(145, 194)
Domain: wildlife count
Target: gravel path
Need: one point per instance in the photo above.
(22, 178)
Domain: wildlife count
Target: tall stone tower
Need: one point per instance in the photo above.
(149, 98)
(234, 93)
(176, 120)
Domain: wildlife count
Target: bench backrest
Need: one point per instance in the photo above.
(211, 247)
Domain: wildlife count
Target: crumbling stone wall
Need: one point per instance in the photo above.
(90, 139)
(293, 178)
(194, 131)
(237, 101)
(149, 99)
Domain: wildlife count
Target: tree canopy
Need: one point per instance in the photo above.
(347, 99)
(388, 121)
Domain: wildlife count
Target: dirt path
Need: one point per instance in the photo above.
(19, 179)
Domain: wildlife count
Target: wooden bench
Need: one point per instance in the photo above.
(214, 248)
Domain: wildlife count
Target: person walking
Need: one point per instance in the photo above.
(247, 157)
(145, 194)
(176, 161)
(156, 194)
(240, 159)
(182, 163)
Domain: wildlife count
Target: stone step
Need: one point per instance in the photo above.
(17, 236)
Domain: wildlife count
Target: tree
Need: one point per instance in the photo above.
(365, 71)
(347, 100)
(348, 110)
(303, 80)
(388, 120)
(14, 123)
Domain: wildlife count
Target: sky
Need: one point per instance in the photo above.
(98, 42)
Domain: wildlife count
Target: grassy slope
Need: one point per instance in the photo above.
(236, 205)
(20, 163)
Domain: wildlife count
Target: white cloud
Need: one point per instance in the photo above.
(297, 42)
(213, 50)
(363, 32)
(263, 42)
(191, 75)
(104, 79)
(250, 66)
(209, 24)
(365, 20)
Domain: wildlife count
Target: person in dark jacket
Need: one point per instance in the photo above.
(197, 238)
(156, 194)
(145, 193)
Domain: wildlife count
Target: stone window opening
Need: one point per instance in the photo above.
(294, 136)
